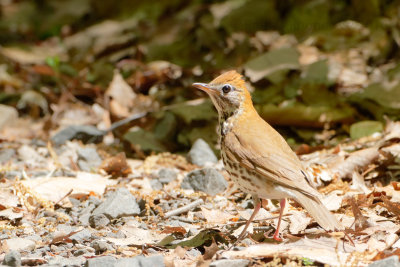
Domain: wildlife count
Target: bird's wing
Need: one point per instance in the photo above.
(270, 156)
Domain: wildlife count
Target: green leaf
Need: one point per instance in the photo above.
(53, 62)
(166, 240)
(274, 65)
(365, 128)
(386, 97)
(205, 237)
(309, 17)
(145, 140)
(317, 72)
(307, 261)
(189, 111)
(296, 114)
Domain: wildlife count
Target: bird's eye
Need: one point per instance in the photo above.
(227, 88)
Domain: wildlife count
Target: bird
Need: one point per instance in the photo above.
(257, 158)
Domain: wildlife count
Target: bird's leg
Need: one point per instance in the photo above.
(257, 206)
(276, 234)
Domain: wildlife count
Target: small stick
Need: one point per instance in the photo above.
(186, 220)
(61, 199)
(184, 208)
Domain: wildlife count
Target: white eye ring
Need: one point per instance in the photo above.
(227, 88)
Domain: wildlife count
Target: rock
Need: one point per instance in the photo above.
(80, 252)
(230, 263)
(118, 204)
(30, 156)
(156, 184)
(167, 175)
(88, 159)
(8, 115)
(20, 244)
(207, 180)
(105, 261)
(201, 153)
(98, 221)
(101, 246)
(72, 261)
(12, 258)
(392, 261)
(163, 176)
(141, 261)
(81, 236)
(85, 133)
(6, 155)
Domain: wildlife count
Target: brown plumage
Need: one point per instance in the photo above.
(256, 156)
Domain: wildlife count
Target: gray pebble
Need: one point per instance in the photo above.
(81, 236)
(207, 180)
(392, 261)
(88, 159)
(230, 263)
(6, 155)
(141, 261)
(64, 261)
(85, 133)
(101, 246)
(12, 258)
(98, 221)
(167, 175)
(118, 204)
(104, 261)
(201, 153)
(20, 244)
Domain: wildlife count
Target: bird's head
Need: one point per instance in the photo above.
(228, 93)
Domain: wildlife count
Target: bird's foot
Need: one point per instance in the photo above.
(275, 237)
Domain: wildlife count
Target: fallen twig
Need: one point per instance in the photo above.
(184, 208)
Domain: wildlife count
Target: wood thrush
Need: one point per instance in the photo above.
(257, 157)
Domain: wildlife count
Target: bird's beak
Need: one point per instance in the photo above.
(204, 87)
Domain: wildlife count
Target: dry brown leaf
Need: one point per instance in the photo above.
(391, 206)
(216, 216)
(134, 235)
(392, 130)
(358, 183)
(325, 250)
(8, 199)
(124, 101)
(385, 254)
(54, 188)
(333, 201)
(116, 166)
(298, 221)
(171, 230)
(356, 160)
(360, 221)
(121, 96)
(210, 251)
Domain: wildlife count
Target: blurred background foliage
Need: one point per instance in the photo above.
(319, 70)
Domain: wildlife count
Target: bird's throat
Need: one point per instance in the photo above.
(227, 120)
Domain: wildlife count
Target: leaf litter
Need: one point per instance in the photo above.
(173, 217)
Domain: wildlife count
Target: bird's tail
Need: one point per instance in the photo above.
(319, 212)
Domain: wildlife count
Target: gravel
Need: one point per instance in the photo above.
(118, 204)
(207, 180)
(12, 258)
(201, 154)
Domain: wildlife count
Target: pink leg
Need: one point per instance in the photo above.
(276, 234)
(257, 206)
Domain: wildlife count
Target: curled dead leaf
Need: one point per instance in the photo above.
(356, 160)
(172, 230)
(360, 221)
(116, 165)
